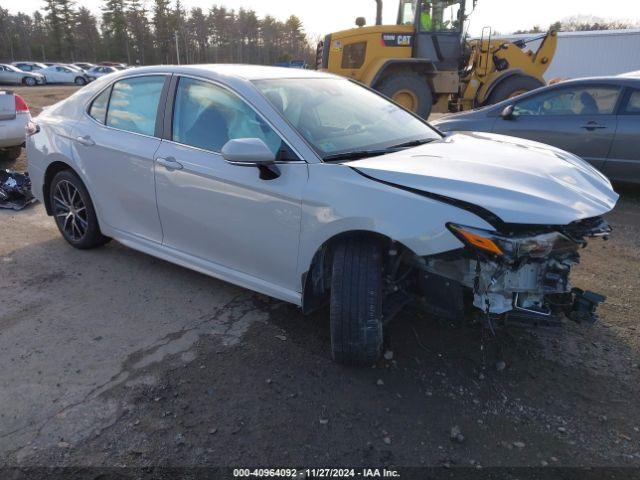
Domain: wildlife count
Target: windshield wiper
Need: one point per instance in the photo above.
(412, 143)
(355, 154)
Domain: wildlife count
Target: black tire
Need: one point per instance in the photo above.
(409, 82)
(91, 235)
(80, 81)
(10, 154)
(511, 86)
(29, 81)
(355, 310)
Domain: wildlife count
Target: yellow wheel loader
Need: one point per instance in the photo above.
(425, 64)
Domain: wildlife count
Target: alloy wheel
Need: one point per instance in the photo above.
(70, 210)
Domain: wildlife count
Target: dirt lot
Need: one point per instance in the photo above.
(111, 357)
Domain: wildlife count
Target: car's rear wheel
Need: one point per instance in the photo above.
(30, 81)
(73, 211)
(356, 301)
(10, 154)
(80, 81)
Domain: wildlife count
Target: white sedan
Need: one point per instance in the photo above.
(312, 189)
(64, 74)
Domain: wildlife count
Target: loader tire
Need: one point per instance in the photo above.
(355, 310)
(409, 90)
(512, 87)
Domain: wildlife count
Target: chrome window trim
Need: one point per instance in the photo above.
(88, 104)
(247, 102)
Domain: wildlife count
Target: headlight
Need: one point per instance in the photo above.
(512, 247)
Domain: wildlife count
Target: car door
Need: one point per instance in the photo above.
(51, 74)
(623, 162)
(115, 144)
(220, 212)
(64, 75)
(577, 118)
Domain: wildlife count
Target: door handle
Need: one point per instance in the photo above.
(592, 126)
(86, 141)
(169, 163)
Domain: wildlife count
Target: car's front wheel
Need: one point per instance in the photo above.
(73, 211)
(356, 301)
(30, 81)
(80, 81)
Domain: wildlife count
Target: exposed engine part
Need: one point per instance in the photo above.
(524, 274)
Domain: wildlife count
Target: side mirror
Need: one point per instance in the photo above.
(361, 21)
(252, 152)
(507, 113)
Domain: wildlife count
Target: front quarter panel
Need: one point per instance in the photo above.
(339, 200)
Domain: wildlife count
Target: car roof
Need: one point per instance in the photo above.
(246, 72)
(631, 79)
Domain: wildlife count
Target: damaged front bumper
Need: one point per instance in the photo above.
(517, 276)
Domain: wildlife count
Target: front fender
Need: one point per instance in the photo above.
(340, 200)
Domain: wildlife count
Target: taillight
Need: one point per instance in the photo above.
(21, 105)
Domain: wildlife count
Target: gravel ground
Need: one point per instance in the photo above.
(112, 358)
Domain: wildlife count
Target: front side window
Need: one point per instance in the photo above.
(337, 116)
(98, 109)
(570, 101)
(207, 116)
(134, 104)
(633, 104)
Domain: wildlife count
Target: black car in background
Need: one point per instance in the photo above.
(597, 119)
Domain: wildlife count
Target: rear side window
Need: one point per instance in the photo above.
(633, 104)
(98, 109)
(134, 104)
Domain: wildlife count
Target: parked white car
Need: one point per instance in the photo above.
(312, 189)
(100, 71)
(14, 117)
(13, 75)
(64, 74)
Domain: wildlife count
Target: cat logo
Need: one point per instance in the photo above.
(397, 40)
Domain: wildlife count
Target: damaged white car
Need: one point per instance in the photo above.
(314, 190)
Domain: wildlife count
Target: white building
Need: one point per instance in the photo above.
(588, 54)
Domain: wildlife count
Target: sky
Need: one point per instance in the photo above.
(324, 16)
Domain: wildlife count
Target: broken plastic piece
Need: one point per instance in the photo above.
(15, 190)
(584, 306)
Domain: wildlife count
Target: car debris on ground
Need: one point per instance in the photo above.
(15, 190)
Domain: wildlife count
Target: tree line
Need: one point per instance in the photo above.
(582, 24)
(127, 31)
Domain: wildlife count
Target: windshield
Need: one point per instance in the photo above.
(338, 116)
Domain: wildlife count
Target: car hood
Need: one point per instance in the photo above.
(518, 180)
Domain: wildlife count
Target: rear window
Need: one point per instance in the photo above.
(98, 109)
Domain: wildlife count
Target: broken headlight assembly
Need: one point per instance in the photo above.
(512, 248)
